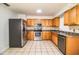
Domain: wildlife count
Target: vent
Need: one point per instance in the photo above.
(6, 4)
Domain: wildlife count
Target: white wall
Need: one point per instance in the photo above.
(20, 15)
(62, 27)
(5, 14)
(39, 17)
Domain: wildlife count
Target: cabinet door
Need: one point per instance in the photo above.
(43, 22)
(46, 22)
(77, 15)
(55, 38)
(50, 22)
(30, 35)
(72, 45)
(66, 18)
(31, 22)
(72, 15)
(57, 20)
(46, 35)
(28, 22)
(53, 22)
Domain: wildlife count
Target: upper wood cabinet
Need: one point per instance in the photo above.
(46, 22)
(71, 17)
(50, 22)
(31, 22)
(66, 18)
(56, 22)
(53, 22)
(77, 22)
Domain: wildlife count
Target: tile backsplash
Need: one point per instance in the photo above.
(74, 29)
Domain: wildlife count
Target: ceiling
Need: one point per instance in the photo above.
(49, 9)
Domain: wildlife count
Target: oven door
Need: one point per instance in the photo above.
(37, 34)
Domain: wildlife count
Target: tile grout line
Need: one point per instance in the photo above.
(46, 49)
(38, 46)
(30, 49)
(57, 49)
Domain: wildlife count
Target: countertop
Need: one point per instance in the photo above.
(64, 33)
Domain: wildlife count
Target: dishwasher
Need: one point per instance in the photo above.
(62, 43)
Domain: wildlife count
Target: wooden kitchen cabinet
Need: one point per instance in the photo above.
(56, 22)
(66, 18)
(72, 45)
(55, 38)
(50, 22)
(53, 22)
(68, 45)
(31, 22)
(46, 22)
(71, 17)
(46, 35)
(30, 35)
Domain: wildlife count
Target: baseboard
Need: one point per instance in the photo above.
(2, 51)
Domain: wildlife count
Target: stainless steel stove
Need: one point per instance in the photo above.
(38, 29)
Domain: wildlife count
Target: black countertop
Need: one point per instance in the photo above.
(64, 33)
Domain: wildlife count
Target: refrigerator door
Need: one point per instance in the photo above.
(15, 32)
(23, 40)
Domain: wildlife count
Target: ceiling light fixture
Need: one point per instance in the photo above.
(39, 11)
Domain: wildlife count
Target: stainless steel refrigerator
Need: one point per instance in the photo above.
(16, 32)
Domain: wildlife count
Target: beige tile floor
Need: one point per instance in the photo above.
(35, 48)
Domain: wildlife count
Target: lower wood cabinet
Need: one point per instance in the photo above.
(55, 38)
(69, 45)
(30, 35)
(72, 45)
(46, 35)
